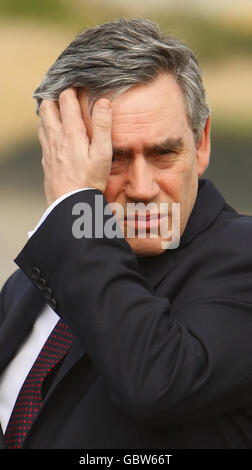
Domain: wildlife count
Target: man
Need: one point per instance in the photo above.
(160, 353)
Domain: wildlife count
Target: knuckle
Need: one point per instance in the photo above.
(65, 94)
(62, 96)
(103, 124)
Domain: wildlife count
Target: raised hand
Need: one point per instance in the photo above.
(70, 161)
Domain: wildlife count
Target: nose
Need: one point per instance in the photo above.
(141, 183)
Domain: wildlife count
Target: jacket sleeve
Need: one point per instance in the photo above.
(4, 304)
(159, 365)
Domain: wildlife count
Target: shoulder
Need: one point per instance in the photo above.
(228, 232)
(218, 262)
(222, 253)
(235, 232)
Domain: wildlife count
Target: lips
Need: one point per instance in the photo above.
(145, 221)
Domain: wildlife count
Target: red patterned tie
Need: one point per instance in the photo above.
(29, 399)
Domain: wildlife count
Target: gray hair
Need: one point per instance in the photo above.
(111, 58)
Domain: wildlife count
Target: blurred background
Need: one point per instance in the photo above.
(32, 35)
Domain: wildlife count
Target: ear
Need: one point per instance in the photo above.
(203, 148)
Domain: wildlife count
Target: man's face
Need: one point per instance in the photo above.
(155, 159)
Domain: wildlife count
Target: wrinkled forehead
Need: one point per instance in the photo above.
(146, 110)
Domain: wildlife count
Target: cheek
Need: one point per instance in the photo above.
(169, 186)
(173, 182)
(178, 182)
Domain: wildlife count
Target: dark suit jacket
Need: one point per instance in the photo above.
(163, 350)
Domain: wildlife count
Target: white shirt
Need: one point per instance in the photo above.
(14, 375)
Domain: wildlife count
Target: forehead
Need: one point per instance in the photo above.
(148, 113)
(163, 93)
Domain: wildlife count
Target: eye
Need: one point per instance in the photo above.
(118, 159)
(165, 152)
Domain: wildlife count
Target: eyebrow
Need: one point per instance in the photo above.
(169, 144)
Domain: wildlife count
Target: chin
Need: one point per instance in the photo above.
(146, 246)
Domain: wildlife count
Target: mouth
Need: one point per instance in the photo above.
(145, 221)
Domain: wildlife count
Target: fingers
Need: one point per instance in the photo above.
(70, 111)
(49, 114)
(102, 127)
(69, 105)
(66, 150)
